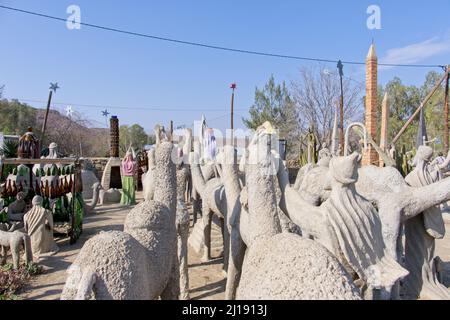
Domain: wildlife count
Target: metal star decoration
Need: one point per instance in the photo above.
(69, 111)
(105, 113)
(54, 86)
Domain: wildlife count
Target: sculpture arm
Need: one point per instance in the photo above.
(444, 166)
(303, 214)
(417, 200)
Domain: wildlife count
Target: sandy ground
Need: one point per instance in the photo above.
(207, 280)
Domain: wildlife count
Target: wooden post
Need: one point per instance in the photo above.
(44, 126)
(411, 119)
(232, 111)
(233, 87)
(341, 109)
(446, 147)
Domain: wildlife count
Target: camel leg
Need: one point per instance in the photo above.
(195, 205)
(15, 252)
(172, 289)
(226, 243)
(3, 253)
(206, 216)
(183, 233)
(237, 253)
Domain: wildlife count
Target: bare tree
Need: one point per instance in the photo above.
(2, 88)
(316, 93)
(75, 135)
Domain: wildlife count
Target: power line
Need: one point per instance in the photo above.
(124, 107)
(209, 46)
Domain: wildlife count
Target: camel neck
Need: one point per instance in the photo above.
(165, 176)
(197, 179)
(262, 205)
(230, 181)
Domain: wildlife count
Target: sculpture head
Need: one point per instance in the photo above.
(128, 156)
(227, 155)
(260, 149)
(424, 154)
(343, 170)
(178, 157)
(324, 157)
(20, 196)
(160, 134)
(37, 201)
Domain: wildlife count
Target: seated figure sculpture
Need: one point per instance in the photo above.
(16, 210)
(39, 226)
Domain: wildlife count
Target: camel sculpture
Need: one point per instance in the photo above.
(141, 262)
(14, 240)
(89, 208)
(148, 184)
(214, 201)
(89, 179)
(182, 217)
(236, 251)
(283, 265)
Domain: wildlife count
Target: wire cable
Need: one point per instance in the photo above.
(215, 47)
(123, 107)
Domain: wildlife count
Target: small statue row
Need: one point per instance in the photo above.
(34, 232)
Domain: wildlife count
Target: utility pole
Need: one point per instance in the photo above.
(446, 147)
(340, 67)
(171, 130)
(53, 88)
(233, 87)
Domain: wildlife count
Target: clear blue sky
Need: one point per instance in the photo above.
(108, 69)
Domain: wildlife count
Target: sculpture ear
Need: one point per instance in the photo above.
(327, 186)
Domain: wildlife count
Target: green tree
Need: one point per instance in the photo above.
(16, 117)
(404, 100)
(274, 103)
(132, 135)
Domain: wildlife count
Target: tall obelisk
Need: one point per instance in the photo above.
(370, 156)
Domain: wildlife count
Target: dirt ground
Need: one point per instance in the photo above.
(207, 280)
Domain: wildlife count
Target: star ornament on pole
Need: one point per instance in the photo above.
(105, 113)
(69, 111)
(54, 86)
